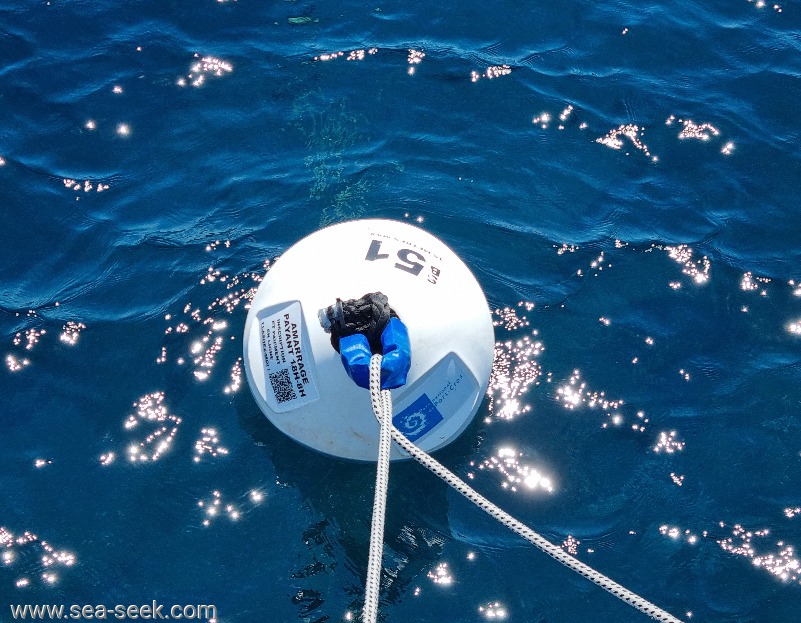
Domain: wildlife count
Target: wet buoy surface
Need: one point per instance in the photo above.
(296, 376)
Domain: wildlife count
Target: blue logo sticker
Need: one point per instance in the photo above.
(418, 418)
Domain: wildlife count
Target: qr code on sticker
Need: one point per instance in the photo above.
(282, 386)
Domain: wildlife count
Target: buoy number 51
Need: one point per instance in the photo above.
(409, 260)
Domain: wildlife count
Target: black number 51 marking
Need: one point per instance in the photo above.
(409, 260)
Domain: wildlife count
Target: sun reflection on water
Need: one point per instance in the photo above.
(203, 68)
(353, 55)
(515, 474)
(441, 574)
(15, 364)
(514, 368)
(677, 534)
(208, 444)
(668, 443)
(493, 611)
(216, 506)
(71, 332)
(697, 269)
(31, 557)
(31, 338)
(236, 378)
(633, 132)
(783, 563)
(493, 71)
(415, 58)
(152, 414)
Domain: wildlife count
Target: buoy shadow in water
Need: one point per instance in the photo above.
(341, 491)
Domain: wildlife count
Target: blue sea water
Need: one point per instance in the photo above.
(622, 177)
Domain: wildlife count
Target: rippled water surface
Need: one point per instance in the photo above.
(622, 177)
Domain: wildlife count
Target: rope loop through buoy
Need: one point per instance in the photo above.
(382, 408)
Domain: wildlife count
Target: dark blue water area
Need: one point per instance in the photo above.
(623, 179)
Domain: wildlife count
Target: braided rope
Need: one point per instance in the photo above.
(382, 407)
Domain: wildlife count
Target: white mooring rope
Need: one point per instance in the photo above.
(382, 407)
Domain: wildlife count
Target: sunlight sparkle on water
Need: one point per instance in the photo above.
(71, 331)
(441, 574)
(209, 443)
(508, 318)
(206, 361)
(208, 66)
(212, 246)
(493, 71)
(506, 462)
(493, 611)
(236, 378)
(570, 545)
(15, 365)
(415, 58)
(86, 187)
(204, 328)
(678, 480)
(761, 4)
(542, 120)
(781, 563)
(633, 132)
(697, 269)
(216, 506)
(747, 282)
(566, 248)
(668, 443)
(575, 393)
(704, 132)
(677, 534)
(152, 413)
(31, 338)
(353, 55)
(794, 327)
(596, 266)
(701, 132)
(514, 370)
(107, 458)
(32, 557)
(750, 283)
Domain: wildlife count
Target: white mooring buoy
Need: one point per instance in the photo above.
(296, 375)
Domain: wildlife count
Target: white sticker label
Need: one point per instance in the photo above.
(288, 365)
